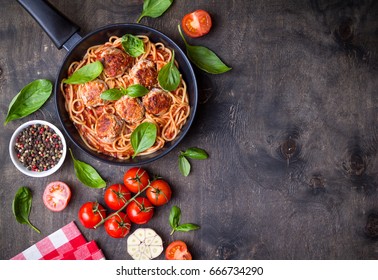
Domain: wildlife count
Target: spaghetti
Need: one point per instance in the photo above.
(102, 124)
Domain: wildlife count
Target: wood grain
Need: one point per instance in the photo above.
(291, 130)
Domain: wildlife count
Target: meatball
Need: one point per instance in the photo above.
(115, 61)
(157, 102)
(129, 109)
(144, 73)
(90, 92)
(108, 127)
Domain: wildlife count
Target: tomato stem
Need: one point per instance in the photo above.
(120, 194)
(138, 177)
(140, 206)
(123, 207)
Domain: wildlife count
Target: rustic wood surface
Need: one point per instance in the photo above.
(291, 130)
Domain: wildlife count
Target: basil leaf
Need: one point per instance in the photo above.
(112, 94)
(132, 91)
(21, 207)
(174, 217)
(204, 58)
(86, 73)
(187, 227)
(132, 45)
(136, 91)
(29, 99)
(169, 75)
(174, 221)
(195, 153)
(87, 174)
(184, 165)
(154, 8)
(143, 137)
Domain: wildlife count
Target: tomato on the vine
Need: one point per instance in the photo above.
(197, 23)
(140, 210)
(116, 196)
(118, 225)
(136, 179)
(177, 250)
(91, 213)
(159, 192)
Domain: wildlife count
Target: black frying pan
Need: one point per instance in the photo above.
(65, 34)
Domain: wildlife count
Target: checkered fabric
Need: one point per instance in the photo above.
(88, 251)
(65, 243)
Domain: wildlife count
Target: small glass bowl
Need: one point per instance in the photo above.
(20, 166)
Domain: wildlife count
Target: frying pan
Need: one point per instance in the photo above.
(64, 33)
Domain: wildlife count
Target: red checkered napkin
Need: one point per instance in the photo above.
(88, 251)
(63, 241)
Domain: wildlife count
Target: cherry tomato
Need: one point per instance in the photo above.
(135, 179)
(177, 250)
(159, 192)
(197, 23)
(91, 213)
(116, 196)
(118, 226)
(140, 210)
(56, 196)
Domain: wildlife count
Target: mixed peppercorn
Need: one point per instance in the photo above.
(38, 147)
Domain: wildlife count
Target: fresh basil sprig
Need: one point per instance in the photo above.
(204, 58)
(132, 91)
(87, 174)
(143, 137)
(169, 75)
(192, 153)
(112, 94)
(86, 73)
(136, 91)
(184, 165)
(29, 99)
(195, 153)
(21, 206)
(132, 45)
(174, 221)
(154, 8)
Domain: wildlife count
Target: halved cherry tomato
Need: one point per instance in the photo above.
(91, 213)
(159, 192)
(140, 210)
(136, 179)
(116, 196)
(177, 250)
(197, 23)
(56, 196)
(118, 226)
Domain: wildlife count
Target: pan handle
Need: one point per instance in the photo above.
(57, 26)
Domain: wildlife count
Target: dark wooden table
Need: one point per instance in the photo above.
(291, 130)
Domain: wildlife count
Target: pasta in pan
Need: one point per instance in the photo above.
(106, 126)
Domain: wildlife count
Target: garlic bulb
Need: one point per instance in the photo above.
(144, 244)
